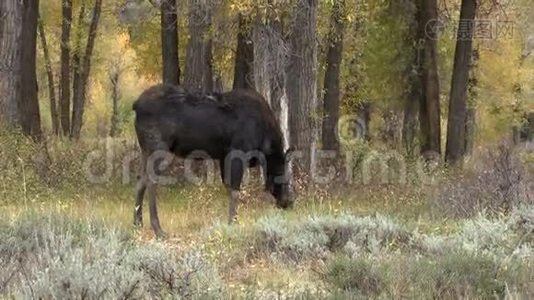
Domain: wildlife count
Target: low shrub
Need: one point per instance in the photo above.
(457, 275)
(316, 237)
(358, 275)
(498, 185)
(522, 221)
(484, 236)
(451, 275)
(29, 169)
(485, 258)
(55, 257)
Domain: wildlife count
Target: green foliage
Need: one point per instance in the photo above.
(378, 56)
(147, 47)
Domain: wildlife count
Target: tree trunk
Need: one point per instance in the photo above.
(64, 99)
(414, 96)
(80, 97)
(470, 125)
(518, 96)
(331, 79)
(363, 120)
(392, 130)
(11, 12)
(169, 42)
(460, 77)
(429, 110)
(470, 116)
(270, 62)
(301, 82)
(76, 56)
(115, 95)
(410, 121)
(530, 124)
(50, 76)
(29, 116)
(218, 84)
(244, 57)
(198, 68)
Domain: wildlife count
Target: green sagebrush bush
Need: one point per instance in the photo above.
(377, 257)
(316, 237)
(522, 221)
(457, 274)
(55, 257)
(357, 275)
(485, 258)
(453, 274)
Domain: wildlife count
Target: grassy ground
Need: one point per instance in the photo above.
(184, 210)
(249, 266)
(187, 213)
(67, 238)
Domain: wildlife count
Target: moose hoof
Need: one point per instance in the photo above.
(138, 223)
(161, 235)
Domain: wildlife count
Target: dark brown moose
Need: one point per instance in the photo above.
(236, 128)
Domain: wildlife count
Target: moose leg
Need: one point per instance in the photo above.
(232, 207)
(140, 193)
(154, 220)
(232, 173)
(156, 165)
